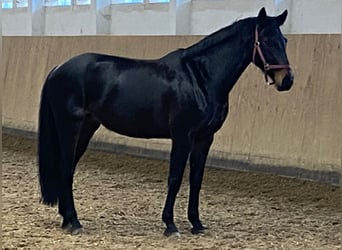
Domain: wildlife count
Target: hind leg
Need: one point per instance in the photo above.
(89, 126)
(66, 204)
(68, 131)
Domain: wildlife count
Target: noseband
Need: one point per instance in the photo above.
(267, 66)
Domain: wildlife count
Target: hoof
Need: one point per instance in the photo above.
(200, 230)
(171, 233)
(72, 229)
(76, 231)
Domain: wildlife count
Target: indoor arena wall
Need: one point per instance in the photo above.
(297, 133)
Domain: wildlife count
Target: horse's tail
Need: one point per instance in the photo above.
(48, 151)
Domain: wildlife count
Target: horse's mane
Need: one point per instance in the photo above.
(221, 35)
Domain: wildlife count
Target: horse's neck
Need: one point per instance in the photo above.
(222, 65)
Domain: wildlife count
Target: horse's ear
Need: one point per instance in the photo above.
(281, 18)
(262, 13)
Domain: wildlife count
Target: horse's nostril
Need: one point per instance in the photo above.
(286, 83)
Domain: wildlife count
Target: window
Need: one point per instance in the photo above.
(9, 4)
(159, 1)
(21, 3)
(126, 1)
(83, 2)
(58, 2)
(138, 1)
(66, 2)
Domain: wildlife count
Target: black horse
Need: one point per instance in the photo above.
(182, 96)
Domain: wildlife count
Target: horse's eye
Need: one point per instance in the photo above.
(285, 39)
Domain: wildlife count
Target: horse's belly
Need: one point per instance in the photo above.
(138, 132)
(137, 109)
(138, 127)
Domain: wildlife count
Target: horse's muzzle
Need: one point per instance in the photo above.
(286, 81)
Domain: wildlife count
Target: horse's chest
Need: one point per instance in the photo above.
(212, 120)
(218, 117)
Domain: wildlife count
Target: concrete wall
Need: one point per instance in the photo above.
(195, 17)
(266, 130)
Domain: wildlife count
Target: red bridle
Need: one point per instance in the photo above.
(267, 66)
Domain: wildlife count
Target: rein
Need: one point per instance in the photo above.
(267, 66)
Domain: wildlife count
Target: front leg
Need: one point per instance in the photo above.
(198, 157)
(179, 155)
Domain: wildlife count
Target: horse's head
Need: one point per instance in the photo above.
(269, 53)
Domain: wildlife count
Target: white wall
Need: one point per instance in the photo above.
(318, 16)
(208, 16)
(195, 17)
(75, 20)
(140, 19)
(314, 16)
(17, 22)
